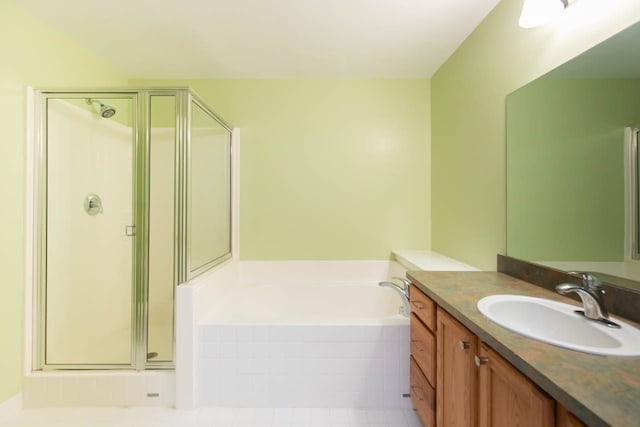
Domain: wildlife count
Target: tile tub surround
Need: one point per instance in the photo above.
(346, 366)
(601, 391)
(201, 304)
(200, 312)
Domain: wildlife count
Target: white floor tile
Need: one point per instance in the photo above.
(412, 418)
(214, 417)
(301, 415)
(321, 417)
(282, 416)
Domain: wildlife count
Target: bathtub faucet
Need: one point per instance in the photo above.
(402, 290)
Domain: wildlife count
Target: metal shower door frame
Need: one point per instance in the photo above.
(139, 204)
(141, 97)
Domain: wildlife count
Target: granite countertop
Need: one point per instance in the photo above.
(600, 390)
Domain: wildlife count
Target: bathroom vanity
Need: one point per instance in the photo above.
(468, 371)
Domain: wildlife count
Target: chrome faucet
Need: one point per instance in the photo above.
(402, 290)
(592, 294)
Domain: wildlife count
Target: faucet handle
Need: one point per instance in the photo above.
(589, 280)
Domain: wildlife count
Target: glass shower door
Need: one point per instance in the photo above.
(90, 145)
(161, 269)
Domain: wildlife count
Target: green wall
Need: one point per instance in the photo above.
(330, 168)
(468, 116)
(565, 174)
(32, 55)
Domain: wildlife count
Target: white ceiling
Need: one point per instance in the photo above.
(266, 38)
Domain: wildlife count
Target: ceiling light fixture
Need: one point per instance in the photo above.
(540, 12)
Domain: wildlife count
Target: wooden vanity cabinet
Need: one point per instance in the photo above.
(456, 381)
(506, 397)
(423, 348)
(459, 381)
(565, 418)
(423, 395)
(423, 356)
(423, 307)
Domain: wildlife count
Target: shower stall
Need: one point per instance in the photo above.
(131, 197)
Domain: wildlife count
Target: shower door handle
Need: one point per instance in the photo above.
(130, 230)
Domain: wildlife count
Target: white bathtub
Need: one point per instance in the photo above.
(304, 345)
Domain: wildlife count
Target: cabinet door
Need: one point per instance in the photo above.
(456, 383)
(565, 418)
(507, 398)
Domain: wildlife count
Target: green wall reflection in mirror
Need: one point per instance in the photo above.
(565, 161)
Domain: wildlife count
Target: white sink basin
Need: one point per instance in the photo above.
(556, 323)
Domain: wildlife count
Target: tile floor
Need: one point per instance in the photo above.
(214, 417)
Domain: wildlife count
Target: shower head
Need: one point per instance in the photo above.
(106, 111)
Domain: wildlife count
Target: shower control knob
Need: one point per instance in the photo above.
(93, 204)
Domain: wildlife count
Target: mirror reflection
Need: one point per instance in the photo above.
(568, 200)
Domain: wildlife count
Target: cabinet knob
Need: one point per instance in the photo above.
(464, 345)
(417, 345)
(481, 360)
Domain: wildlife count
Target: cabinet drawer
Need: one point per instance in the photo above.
(423, 348)
(423, 307)
(423, 396)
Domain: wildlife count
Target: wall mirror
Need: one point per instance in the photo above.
(571, 202)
